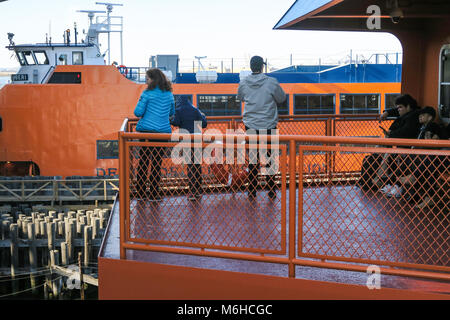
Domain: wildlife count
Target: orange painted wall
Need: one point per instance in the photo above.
(56, 126)
(126, 279)
(421, 57)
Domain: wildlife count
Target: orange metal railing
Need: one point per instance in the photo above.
(332, 216)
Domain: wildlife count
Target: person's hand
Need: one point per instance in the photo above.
(384, 116)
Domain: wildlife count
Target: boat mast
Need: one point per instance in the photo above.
(109, 8)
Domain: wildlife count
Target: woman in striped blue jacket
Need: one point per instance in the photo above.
(156, 105)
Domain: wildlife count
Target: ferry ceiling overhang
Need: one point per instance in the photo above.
(421, 26)
(351, 15)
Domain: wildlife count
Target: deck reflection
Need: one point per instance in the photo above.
(339, 221)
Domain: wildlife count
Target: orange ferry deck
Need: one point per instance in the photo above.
(227, 246)
(112, 248)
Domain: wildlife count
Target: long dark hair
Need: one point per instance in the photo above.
(159, 80)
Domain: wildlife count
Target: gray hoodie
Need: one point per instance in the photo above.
(261, 95)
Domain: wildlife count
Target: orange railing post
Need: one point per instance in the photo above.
(292, 198)
(122, 191)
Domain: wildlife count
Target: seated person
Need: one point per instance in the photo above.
(405, 126)
(428, 130)
(433, 188)
(187, 117)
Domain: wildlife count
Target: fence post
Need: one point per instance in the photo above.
(292, 206)
(122, 151)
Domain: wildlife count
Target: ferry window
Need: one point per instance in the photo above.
(175, 96)
(389, 100)
(444, 98)
(215, 105)
(62, 60)
(21, 57)
(360, 103)
(107, 149)
(65, 77)
(77, 57)
(314, 104)
(29, 58)
(41, 57)
(283, 109)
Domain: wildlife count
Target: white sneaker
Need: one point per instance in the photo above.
(396, 191)
(386, 189)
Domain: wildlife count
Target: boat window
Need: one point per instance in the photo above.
(283, 109)
(360, 103)
(29, 58)
(444, 87)
(21, 57)
(107, 149)
(314, 104)
(219, 105)
(62, 60)
(77, 58)
(389, 100)
(65, 77)
(41, 57)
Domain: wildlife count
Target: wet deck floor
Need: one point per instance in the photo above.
(336, 223)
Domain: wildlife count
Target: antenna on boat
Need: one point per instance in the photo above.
(200, 63)
(91, 14)
(109, 9)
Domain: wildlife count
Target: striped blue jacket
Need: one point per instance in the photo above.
(155, 107)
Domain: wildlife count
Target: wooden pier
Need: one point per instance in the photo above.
(50, 249)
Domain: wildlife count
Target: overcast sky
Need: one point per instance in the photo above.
(220, 30)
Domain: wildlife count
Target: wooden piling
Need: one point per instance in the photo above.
(95, 227)
(87, 244)
(32, 253)
(70, 237)
(61, 229)
(13, 233)
(54, 261)
(64, 257)
(51, 236)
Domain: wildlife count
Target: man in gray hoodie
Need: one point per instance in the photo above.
(261, 95)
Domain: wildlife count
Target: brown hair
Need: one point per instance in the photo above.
(159, 80)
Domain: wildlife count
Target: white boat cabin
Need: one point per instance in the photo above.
(38, 61)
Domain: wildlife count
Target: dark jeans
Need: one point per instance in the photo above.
(150, 157)
(427, 170)
(194, 172)
(253, 167)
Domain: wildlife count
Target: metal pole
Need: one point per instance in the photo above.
(121, 42)
(109, 8)
(121, 48)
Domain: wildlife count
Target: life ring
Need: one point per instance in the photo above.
(123, 70)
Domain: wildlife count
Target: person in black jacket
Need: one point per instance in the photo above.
(188, 117)
(410, 172)
(405, 126)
